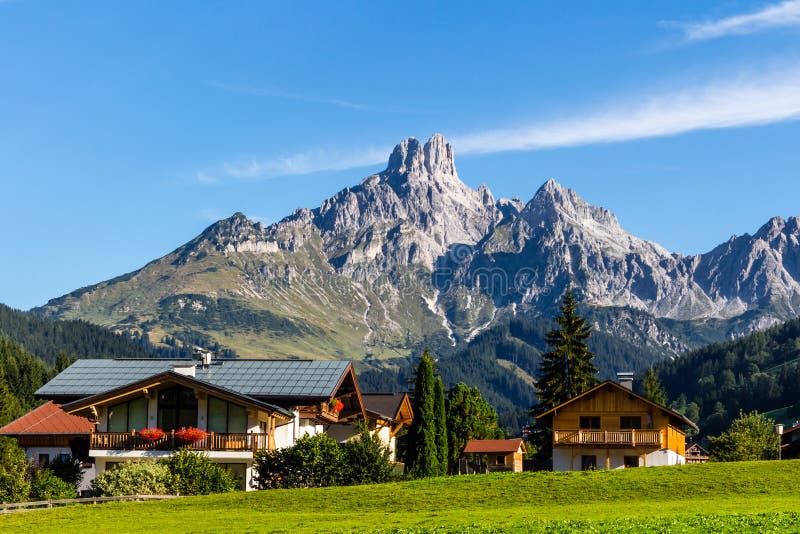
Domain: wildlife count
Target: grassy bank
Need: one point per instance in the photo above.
(687, 498)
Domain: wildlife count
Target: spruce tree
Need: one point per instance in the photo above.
(653, 389)
(568, 368)
(441, 426)
(422, 456)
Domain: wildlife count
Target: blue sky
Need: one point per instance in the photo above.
(127, 128)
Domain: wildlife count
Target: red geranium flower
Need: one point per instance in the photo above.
(190, 435)
(151, 434)
(336, 405)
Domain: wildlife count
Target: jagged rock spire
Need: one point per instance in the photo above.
(434, 158)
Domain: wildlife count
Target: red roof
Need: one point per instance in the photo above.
(481, 446)
(48, 418)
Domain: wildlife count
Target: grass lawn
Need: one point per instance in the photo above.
(741, 497)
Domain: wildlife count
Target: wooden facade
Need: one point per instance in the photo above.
(619, 426)
(492, 455)
(695, 454)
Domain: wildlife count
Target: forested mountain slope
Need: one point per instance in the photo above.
(760, 371)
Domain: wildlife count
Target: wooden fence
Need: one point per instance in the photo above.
(10, 507)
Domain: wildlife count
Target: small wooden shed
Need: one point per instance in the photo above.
(499, 454)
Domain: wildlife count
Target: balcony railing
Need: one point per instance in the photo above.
(632, 438)
(169, 442)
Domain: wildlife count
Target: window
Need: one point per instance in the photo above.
(588, 462)
(238, 471)
(631, 461)
(177, 408)
(127, 416)
(226, 418)
(628, 422)
(501, 460)
(590, 422)
(44, 459)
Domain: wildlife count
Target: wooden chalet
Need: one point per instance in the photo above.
(609, 426)
(790, 443)
(388, 413)
(695, 454)
(497, 454)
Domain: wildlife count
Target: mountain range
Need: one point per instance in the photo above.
(412, 256)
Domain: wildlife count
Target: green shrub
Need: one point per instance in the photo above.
(46, 485)
(366, 459)
(135, 477)
(313, 461)
(14, 485)
(69, 470)
(321, 461)
(751, 436)
(193, 473)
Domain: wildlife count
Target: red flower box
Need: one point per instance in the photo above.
(190, 435)
(152, 434)
(336, 405)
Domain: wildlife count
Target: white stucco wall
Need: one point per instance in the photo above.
(102, 457)
(562, 455)
(284, 435)
(664, 457)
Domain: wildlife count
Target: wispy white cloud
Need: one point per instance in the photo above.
(292, 165)
(746, 100)
(780, 15)
(769, 98)
(256, 91)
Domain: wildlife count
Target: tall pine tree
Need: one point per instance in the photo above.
(653, 389)
(441, 426)
(565, 371)
(568, 368)
(422, 456)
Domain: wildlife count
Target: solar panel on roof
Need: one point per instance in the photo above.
(257, 377)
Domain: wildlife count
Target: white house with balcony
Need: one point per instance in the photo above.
(229, 408)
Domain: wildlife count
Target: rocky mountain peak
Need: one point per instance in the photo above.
(772, 229)
(411, 159)
(553, 202)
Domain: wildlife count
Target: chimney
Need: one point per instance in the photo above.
(205, 355)
(625, 380)
(186, 369)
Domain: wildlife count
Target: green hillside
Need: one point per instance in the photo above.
(760, 371)
(47, 338)
(742, 497)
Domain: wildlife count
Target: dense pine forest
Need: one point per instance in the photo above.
(46, 338)
(758, 372)
(33, 350)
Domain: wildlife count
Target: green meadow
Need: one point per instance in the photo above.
(724, 497)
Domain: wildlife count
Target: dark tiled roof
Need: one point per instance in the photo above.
(385, 405)
(172, 376)
(255, 378)
(48, 418)
(482, 446)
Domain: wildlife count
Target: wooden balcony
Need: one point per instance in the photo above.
(606, 438)
(130, 441)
